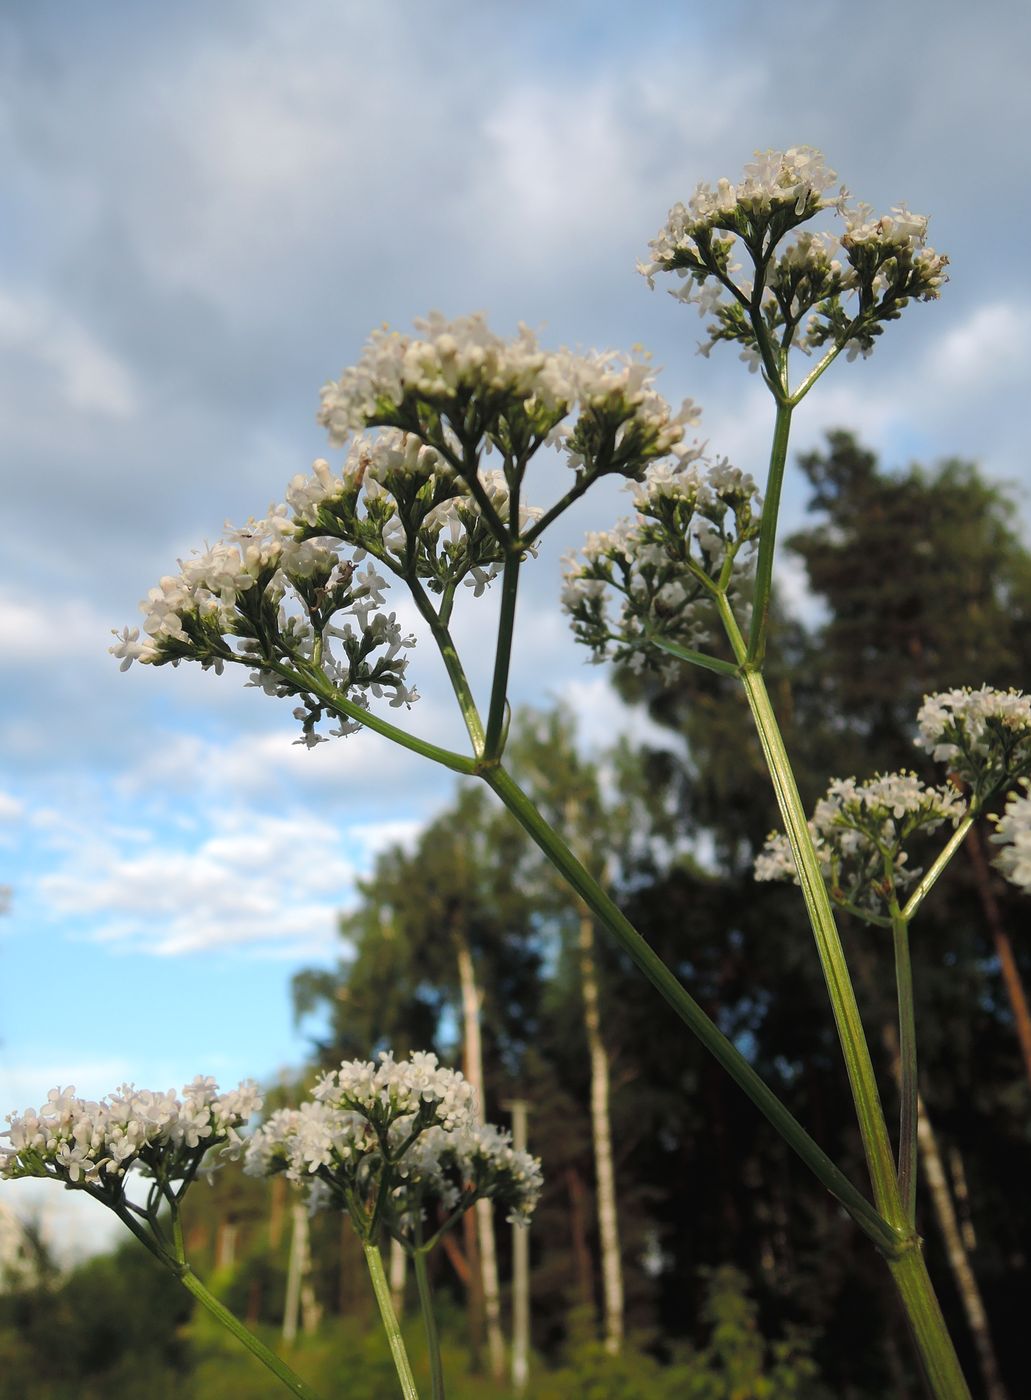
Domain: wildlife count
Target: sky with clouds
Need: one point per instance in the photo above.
(205, 211)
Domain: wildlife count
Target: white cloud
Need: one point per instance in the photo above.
(88, 377)
(10, 808)
(987, 349)
(254, 881)
(602, 717)
(50, 629)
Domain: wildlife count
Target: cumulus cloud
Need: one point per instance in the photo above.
(252, 880)
(34, 629)
(78, 370)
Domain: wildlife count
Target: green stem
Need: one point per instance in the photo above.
(908, 1087)
(888, 1237)
(696, 658)
(502, 656)
(818, 369)
(293, 1382)
(316, 682)
(933, 1343)
(390, 1324)
(768, 534)
(452, 662)
(869, 1113)
(930, 876)
(422, 1279)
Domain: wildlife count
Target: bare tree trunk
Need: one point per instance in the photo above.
(296, 1270)
(578, 1232)
(1003, 947)
(225, 1243)
(601, 1128)
(398, 1273)
(277, 1205)
(471, 1002)
(473, 1280)
(520, 1271)
(930, 1159)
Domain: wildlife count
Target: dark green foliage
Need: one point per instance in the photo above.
(114, 1327)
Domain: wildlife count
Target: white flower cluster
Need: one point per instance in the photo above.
(881, 261)
(694, 517)
(459, 387)
(93, 1143)
(393, 1089)
(402, 502)
(397, 1139)
(859, 831)
(1013, 834)
(984, 736)
(288, 599)
(449, 362)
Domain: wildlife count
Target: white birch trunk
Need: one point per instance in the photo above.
(398, 1275)
(959, 1260)
(471, 1001)
(601, 1128)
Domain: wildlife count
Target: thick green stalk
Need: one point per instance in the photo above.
(933, 1343)
(422, 1279)
(381, 1288)
(888, 1237)
(908, 1087)
(869, 1113)
(293, 1382)
(937, 1353)
(768, 534)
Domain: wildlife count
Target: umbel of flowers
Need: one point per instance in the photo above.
(96, 1144)
(399, 1147)
(860, 832)
(819, 289)
(396, 1144)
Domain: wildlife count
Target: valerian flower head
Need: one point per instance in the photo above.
(860, 832)
(817, 290)
(1013, 835)
(396, 1142)
(694, 519)
(94, 1144)
(983, 736)
(403, 503)
(462, 390)
(275, 599)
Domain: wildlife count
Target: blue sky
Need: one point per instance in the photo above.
(205, 211)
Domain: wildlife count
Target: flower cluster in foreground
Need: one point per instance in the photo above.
(815, 290)
(459, 387)
(89, 1143)
(694, 517)
(396, 1142)
(859, 831)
